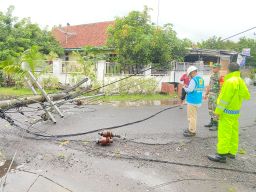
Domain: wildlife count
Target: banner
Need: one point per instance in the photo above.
(241, 60)
(246, 52)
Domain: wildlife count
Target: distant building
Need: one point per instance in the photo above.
(209, 56)
(74, 38)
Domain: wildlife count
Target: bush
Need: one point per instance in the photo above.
(111, 89)
(129, 85)
(50, 82)
(75, 78)
(133, 85)
(95, 87)
(19, 81)
(148, 86)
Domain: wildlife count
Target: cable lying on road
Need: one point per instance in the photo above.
(136, 158)
(12, 122)
(181, 164)
(48, 136)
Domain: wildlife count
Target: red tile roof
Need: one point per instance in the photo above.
(77, 36)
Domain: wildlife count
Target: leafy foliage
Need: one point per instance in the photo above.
(216, 43)
(137, 41)
(87, 63)
(16, 36)
(22, 41)
(212, 43)
(12, 66)
(248, 43)
(133, 85)
(50, 82)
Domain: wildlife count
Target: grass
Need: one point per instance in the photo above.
(12, 91)
(133, 97)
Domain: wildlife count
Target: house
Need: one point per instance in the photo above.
(209, 56)
(74, 38)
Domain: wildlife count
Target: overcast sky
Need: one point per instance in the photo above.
(193, 19)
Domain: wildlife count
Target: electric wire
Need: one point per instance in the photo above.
(113, 82)
(113, 91)
(84, 133)
(77, 134)
(116, 88)
(96, 130)
(238, 34)
(168, 162)
(123, 125)
(186, 164)
(227, 38)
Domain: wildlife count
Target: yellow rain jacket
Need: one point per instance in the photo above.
(233, 92)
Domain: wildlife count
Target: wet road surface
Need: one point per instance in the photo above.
(151, 156)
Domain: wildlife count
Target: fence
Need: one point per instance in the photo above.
(69, 72)
(44, 66)
(71, 67)
(109, 72)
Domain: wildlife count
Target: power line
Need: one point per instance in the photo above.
(93, 131)
(238, 34)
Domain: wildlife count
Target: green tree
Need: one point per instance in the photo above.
(216, 43)
(212, 43)
(87, 63)
(12, 66)
(131, 38)
(16, 36)
(138, 42)
(248, 43)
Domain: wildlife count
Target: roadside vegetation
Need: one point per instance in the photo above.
(139, 97)
(133, 43)
(12, 91)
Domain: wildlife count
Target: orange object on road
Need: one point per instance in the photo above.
(106, 134)
(104, 141)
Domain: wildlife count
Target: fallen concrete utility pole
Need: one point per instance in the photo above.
(46, 96)
(12, 103)
(61, 102)
(44, 100)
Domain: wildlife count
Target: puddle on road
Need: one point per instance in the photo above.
(4, 167)
(165, 102)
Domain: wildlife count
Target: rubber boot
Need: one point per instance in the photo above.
(210, 124)
(218, 158)
(214, 126)
(231, 156)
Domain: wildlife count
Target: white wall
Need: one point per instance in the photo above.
(64, 78)
(172, 77)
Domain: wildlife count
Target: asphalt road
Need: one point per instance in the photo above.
(154, 156)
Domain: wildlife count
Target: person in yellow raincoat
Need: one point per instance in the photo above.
(229, 102)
